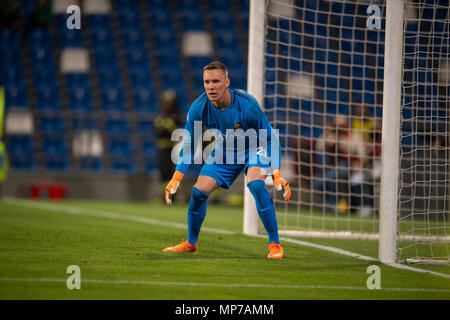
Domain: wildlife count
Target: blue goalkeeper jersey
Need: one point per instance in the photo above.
(243, 113)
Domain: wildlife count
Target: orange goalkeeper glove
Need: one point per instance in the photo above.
(173, 186)
(281, 184)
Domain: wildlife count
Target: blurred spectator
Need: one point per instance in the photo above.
(165, 124)
(363, 122)
(10, 14)
(303, 160)
(366, 131)
(342, 152)
(42, 14)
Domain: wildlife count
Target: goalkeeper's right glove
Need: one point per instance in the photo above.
(281, 184)
(173, 186)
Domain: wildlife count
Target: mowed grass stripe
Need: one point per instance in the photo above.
(107, 214)
(133, 218)
(227, 285)
(115, 215)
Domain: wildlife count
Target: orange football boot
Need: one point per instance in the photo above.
(276, 251)
(184, 246)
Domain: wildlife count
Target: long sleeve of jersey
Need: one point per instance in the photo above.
(273, 141)
(187, 152)
(257, 119)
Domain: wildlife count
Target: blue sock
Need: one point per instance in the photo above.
(196, 214)
(266, 210)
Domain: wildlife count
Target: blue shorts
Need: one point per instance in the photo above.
(226, 174)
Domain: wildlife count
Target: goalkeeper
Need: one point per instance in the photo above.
(222, 108)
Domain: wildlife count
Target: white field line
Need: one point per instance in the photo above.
(105, 214)
(225, 285)
(121, 216)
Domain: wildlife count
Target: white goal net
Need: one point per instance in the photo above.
(424, 193)
(323, 89)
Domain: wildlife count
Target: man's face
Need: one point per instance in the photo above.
(216, 85)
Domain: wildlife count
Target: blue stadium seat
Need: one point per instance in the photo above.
(198, 62)
(57, 163)
(108, 77)
(9, 40)
(12, 74)
(105, 58)
(344, 95)
(369, 85)
(189, 5)
(357, 72)
(343, 108)
(164, 38)
(192, 21)
(112, 99)
(140, 79)
(80, 99)
(27, 163)
(77, 80)
(357, 84)
(102, 38)
(331, 96)
(331, 82)
(54, 146)
(305, 105)
(48, 98)
(133, 38)
(319, 68)
(15, 96)
(222, 20)
(99, 22)
(161, 20)
(149, 150)
(171, 78)
(120, 148)
(124, 5)
(38, 38)
(117, 127)
(232, 61)
(219, 5)
(356, 97)
(144, 100)
(226, 40)
(409, 141)
(137, 59)
(158, 5)
(369, 98)
(123, 165)
(43, 75)
(130, 18)
(20, 145)
(51, 125)
(146, 129)
(70, 38)
(151, 167)
(10, 57)
(43, 57)
(84, 123)
(150, 153)
(91, 163)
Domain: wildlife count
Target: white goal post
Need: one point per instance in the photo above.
(255, 86)
(387, 248)
(310, 65)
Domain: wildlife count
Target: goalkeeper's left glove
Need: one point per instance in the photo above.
(281, 184)
(173, 186)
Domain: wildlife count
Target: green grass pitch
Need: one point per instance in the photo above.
(118, 248)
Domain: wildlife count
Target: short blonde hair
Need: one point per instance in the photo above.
(216, 65)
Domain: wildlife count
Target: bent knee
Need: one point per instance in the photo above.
(206, 184)
(256, 186)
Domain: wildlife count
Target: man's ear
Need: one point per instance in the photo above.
(228, 82)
